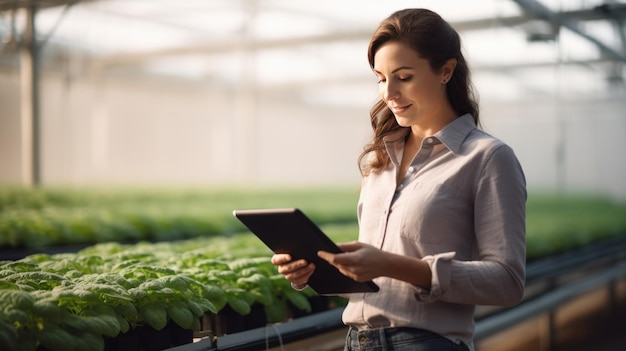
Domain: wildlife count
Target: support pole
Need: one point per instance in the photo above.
(30, 103)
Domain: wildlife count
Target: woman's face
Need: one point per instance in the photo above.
(414, 93)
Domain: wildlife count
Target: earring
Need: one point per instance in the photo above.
(445, 81)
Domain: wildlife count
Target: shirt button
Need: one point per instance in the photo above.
(429, 140)
(411, 169)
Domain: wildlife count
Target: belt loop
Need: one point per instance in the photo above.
(348, 343)
(382, 336)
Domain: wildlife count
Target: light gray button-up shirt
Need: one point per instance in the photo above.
(462, 208)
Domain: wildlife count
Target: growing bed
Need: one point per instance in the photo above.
(168, 264)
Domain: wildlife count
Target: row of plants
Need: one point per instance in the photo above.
(100, 295)
(83, 300)
(559, 223)
(40, 218)
(43, 217)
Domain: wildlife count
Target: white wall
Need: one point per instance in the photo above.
(164, 132)
(566, 146)
(124, 131)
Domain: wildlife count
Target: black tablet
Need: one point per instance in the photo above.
(289, 230)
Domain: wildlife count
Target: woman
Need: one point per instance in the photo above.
(442, 205)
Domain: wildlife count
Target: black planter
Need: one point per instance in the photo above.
(318, 304)
(146, 338)
(128, 341)
(228, 321)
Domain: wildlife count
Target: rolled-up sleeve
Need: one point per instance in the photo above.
(441, 268)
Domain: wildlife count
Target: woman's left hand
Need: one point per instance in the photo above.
(361, 262)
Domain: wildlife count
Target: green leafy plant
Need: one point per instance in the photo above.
(62, 301)
(41, 217)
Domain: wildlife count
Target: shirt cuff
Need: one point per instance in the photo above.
(441, 268)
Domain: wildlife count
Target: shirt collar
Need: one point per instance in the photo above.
(452, 135)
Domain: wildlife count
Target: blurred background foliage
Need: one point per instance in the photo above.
(37, 218)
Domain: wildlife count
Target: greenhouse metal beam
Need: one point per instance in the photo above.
(29, 123)
(30, 50)
(540, 11)
(8, 5)
(230, 46)
(568, 19)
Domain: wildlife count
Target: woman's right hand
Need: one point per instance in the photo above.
(297, 272)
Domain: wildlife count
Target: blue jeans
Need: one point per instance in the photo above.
(399, 339)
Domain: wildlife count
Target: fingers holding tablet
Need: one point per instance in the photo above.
(298, 272)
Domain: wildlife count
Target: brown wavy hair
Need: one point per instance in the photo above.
(434, 40)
